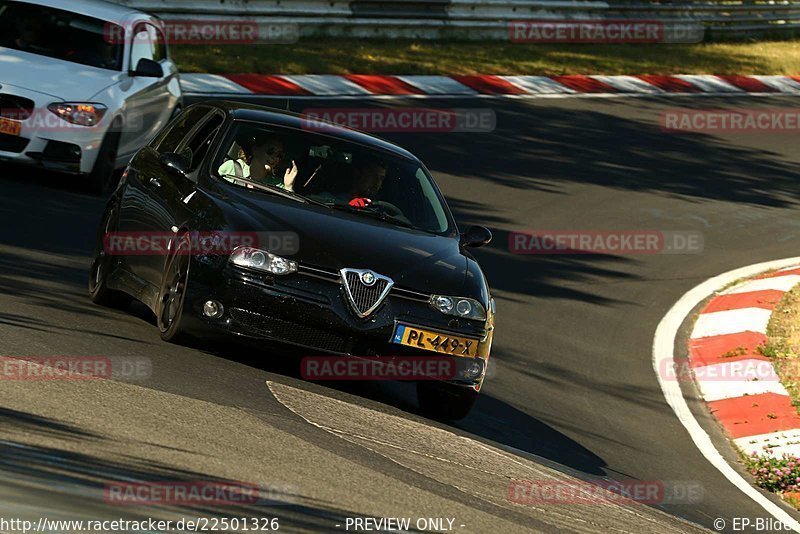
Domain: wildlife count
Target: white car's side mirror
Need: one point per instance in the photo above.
(147, 68)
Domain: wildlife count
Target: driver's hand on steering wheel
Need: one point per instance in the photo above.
(360, 202)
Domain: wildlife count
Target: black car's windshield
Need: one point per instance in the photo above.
(341, 175)
(60, 34)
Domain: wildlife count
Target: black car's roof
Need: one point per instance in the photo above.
(279, 117)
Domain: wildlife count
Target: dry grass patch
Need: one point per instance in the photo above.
(396, 56)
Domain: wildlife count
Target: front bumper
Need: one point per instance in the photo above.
(309, 309)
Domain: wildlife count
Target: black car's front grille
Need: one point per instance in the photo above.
(300, 334)
(335, 276)
(15, 107)
(363, 296)
(12, 143)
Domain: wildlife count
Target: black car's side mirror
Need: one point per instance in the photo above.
(176, 164)
(147, 68)
(476, 236)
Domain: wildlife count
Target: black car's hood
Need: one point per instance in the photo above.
(334, 239)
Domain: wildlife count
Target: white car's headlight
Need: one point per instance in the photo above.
(82, 114)
(262, 260)
(459, 307)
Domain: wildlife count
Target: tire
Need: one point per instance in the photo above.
(102, 179)
(172, 296)
(444, 401)
(102, 265)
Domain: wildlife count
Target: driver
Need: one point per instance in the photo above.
(367, 182)
(29, 34)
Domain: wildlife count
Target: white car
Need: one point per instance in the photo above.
(84, 84)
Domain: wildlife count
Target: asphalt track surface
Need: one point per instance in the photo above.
(573, 391)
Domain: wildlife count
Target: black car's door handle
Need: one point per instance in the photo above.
(154, 182)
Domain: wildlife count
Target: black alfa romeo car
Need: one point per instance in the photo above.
(244, 222)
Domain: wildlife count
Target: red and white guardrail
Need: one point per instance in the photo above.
(325, 85)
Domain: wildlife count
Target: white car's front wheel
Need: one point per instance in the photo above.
(102, 178)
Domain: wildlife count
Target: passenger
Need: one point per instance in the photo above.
(239, 167)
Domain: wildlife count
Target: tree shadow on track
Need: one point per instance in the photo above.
(51, 478)
(540, 147)
(543, 276)
(47, 212)
(50, 282)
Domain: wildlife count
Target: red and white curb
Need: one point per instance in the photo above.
(739, 384)
(360, 85)
(665, 350)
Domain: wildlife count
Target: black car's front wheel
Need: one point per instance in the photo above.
(445, 401)
(102, 265)
(173, 293)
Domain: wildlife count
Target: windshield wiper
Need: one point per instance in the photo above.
(249, 184)
(279, 191)
(385, 217)
(311, 200)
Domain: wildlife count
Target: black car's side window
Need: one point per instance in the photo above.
(196, 148)
(173, 136)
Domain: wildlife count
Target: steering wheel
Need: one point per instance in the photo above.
(388, 208)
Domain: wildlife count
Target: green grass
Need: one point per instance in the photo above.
(331, 56)
(783, 342)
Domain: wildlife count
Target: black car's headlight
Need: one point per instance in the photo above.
(262, 260)
(459, 307)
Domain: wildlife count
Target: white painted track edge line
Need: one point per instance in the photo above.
(664, 349)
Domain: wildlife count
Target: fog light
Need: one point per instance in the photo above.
(58, 151)
(213, 309)
(475, 368)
